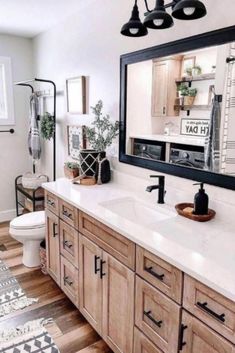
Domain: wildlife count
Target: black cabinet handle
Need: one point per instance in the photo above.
(67, 214)
(68, 281)
(153, 273)
(148, 314)
(203, 306)
(96, 258)
(54, 230)
(67, 244)
(102, 274)
(181, 337)
(50, 203)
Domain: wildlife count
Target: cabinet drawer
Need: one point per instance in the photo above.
(142, 344)
(209, 306)
(159, 273)
(52, 202)
(199, 338)
(112, 242)
(157, 316)
(69, 243)
(68, 214)
(69, 280)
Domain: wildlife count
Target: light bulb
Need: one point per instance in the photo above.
(158, 22)
(188, 11)
(134, 30)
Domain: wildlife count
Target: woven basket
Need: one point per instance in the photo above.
(43, 258)
(33, 181)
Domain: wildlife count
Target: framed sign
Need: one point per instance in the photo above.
(76, 95)
(195, 127)
(76, 140)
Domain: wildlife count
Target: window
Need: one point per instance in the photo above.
(6, 92)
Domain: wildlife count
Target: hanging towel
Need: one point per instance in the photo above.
(228, 136)
(34, 136)
(212, 141)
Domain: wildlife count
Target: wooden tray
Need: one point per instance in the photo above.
(84, 180)
(180, 208)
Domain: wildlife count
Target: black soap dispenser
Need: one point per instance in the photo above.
(201, 201)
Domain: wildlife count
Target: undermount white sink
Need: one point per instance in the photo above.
(137, 211)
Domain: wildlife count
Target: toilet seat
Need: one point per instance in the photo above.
(29, 221)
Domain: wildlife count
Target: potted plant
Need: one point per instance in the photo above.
(71, 170)
(196, 70)
(190, 97)
(100, 136)
(182, 91)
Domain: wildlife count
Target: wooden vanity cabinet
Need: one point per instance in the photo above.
(95, 268)
(196, 337)
(53, 246)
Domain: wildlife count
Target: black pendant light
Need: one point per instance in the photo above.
(134, 28)
(158, 18)
(188, 9)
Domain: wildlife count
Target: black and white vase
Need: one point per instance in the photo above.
(88, 162)
(103, 172)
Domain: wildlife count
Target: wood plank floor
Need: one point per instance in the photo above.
(71, 332)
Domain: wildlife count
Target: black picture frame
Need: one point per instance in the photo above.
(209, 39)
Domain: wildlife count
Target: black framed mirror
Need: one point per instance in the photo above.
(177, 108)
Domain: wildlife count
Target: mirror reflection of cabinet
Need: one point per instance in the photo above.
(165, 72)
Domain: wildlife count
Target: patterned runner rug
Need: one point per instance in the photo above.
(12, 297)
(29, 338)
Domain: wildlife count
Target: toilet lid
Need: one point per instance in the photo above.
(30, 220)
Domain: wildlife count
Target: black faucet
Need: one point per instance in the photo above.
(160, 187)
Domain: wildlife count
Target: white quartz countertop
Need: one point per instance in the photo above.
(205, 251)
(180, 139)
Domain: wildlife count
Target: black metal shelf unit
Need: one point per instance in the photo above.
(28, 84)
(34, 195)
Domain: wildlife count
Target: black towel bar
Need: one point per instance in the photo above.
(11, 131)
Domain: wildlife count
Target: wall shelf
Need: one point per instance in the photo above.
(203, 77)
(192, 107)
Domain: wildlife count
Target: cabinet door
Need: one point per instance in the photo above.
(53, 246)
(118, 304)
(199, 338)
(90, 284)
(159, 88)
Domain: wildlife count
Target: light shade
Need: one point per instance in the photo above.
(188, 10)
(158, 18)
(134, 28)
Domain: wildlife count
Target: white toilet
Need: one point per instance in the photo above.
(29, 229)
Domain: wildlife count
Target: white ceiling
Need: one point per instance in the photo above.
(30, 17)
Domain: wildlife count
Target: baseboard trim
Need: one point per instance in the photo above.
(7, 215)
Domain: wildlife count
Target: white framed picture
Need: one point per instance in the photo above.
(76, 140)
(76, 95)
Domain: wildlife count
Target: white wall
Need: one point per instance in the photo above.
(14, 158)
(90, 44)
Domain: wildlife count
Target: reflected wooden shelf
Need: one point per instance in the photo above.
(192, 107)
(203, 77)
